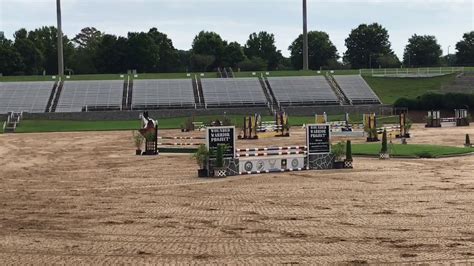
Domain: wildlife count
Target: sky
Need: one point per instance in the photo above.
(234, 20)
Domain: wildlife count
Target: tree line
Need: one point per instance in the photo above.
(92, 51)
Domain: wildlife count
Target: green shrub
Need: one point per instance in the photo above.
(339, 151)
(437, 101)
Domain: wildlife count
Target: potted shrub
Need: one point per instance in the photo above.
(202, 159)
(468, 142)
(372, 134)
(338, 151)
(348, 161)
(188, 125)
(219, 169)
(138, 141)
(384, 154)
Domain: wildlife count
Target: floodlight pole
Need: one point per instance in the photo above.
(305, 37)
(60, 40)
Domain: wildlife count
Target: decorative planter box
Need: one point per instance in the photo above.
(339, 165)
(348, 164)
(220, 172)
(203, 173)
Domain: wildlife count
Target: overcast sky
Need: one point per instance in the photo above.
(234, 20)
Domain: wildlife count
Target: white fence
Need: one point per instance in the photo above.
(429, 71)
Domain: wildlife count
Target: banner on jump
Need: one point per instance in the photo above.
(221, 136)
(318, 139)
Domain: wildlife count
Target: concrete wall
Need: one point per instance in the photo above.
(133, 115)
(337, 109)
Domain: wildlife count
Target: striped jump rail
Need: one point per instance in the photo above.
(182, 138)
(272, 171)
(272, 149)
(264, 154)
(179, 144)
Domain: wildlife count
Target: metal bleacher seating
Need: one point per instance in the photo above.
(94, 95)
(163, 93)
(357, 90)
(29, 97)
(236, 92)
(294, 91)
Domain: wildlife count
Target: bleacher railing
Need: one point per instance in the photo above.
(411, 71)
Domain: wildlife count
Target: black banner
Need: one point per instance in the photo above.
(221, 135)
(318, 139)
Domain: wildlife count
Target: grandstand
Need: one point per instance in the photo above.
(77, 96)
(163, 93)
(24, 96)
(237, 92)
(356, 89)
(208, 93)
(302, 91)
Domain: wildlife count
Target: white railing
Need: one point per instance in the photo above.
(411, 71)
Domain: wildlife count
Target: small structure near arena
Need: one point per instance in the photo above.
(460, 119)
(231, 161)
(370, 127)
(433, 119)
(255, 128)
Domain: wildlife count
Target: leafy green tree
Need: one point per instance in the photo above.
(168, 54)
(10, 59)
(262, 45)
(366, 44)
(422, 50)
(110, 55)
(208, 44)
(465, 50)
(184, 61)
(143, 53)
(89, 37)
(321, 50)
(254, 64)
(202, 62)
(31, 56)
(87, 42)
(233, 54)
(46, 40)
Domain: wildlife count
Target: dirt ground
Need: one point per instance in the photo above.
(84, 198)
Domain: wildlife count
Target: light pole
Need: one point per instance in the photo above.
(60, 40)
(305, 37)
(449, 46)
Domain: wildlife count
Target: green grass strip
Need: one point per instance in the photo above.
(410, 150)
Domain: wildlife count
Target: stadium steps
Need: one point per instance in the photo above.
(13, 120)
(125, 95)
(274, 101)
(57, 96)
(197, 99)
(271, 104)
(51, 97)
(200, 92)
(129, 94)
(337, 90)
